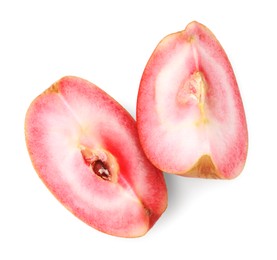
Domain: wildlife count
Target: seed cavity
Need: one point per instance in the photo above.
(193, 93)
(101, 163)
(193, 89)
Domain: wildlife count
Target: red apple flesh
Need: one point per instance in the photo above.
(190, 115)
(85, 148)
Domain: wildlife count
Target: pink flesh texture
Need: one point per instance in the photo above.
(175, 135)
(75, 113)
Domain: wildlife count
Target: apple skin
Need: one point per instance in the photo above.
(85, 148)
(190, 115)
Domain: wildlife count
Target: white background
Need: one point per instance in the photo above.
(109, 43)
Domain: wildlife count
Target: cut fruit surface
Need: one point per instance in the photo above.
(190, 115)
(84, 146)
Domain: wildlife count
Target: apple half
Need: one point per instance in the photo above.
(190, 115)
(85, 148)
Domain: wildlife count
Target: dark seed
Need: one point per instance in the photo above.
(100, 169)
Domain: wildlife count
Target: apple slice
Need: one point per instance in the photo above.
(190, 115)
(84, 146)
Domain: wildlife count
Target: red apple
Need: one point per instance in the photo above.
(84, 146)
(190, 115)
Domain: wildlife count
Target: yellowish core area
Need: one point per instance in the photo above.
(193, 93)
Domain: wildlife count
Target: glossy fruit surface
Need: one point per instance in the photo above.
(84, 146)
(190, 115)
